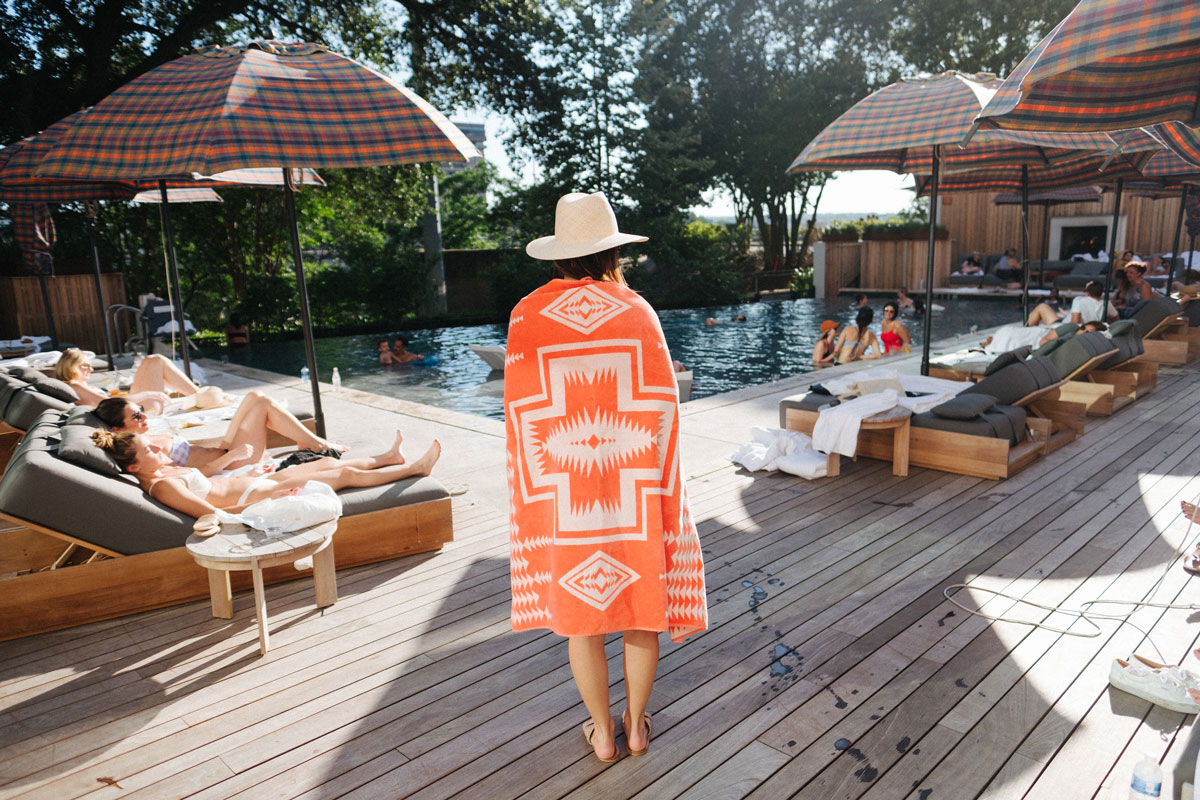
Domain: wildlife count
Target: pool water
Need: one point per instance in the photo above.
(775, 341)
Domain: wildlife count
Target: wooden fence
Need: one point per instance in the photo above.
(73, 301)
(843, 265)
(890, 263)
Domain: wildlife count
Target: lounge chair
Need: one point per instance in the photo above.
(69, 503)
(973, 434)
(1082, 272)
(1164, 330)
(1076, 359)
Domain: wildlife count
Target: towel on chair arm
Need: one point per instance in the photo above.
(836, 429)
(602, 539)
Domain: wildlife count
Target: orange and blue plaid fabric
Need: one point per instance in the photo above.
(896, 128)
(268, 104)
(1080, 171)
(33, 228)
(1111, 64)
(1074, 194)
(1181, 140)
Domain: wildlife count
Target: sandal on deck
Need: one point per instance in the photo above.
(625, 722)
(589, 729)
(1191, 564)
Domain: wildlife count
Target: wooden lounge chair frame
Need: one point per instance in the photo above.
(959, 453)
(39, 601)
(1167, 342)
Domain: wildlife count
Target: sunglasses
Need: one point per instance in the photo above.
(139, 414)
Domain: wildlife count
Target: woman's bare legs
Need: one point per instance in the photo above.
(590, 668)
(157, 374)
(345, 474)
(641, 664)
(256, 415)
(1042, 314)
(386, 459)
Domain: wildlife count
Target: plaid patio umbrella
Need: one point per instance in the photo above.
(916, 125)
(1110, 65)
(33, 228)
(19, 183)
(268, 104)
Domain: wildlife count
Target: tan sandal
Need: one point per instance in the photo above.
(625, 722)
(1191, 564)
(589, 729)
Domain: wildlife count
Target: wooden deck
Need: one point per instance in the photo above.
(833, 667)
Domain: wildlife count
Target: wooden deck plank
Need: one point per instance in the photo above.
(832, 666)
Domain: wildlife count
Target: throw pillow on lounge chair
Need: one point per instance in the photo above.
(78, 448)
(1049, 347)
(1001, 361)
(965, 406)
(1065, 329)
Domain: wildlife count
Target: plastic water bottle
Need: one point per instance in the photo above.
(336, 380)
(304, 374)
(1147, 779)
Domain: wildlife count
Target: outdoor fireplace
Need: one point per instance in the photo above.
(1070, 236)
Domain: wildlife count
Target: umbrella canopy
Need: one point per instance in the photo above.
(1111, 64)
(266, 105)
(1051, 197)
(1081, 171)
(896, 128)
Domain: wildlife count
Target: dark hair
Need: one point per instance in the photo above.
(1094, 289)
(602, 266)
(120, 446)
(1100, 327)
(864, 316)
(111, 411)
(893, 305)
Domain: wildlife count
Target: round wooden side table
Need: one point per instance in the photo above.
(897, 420)
(238, 547)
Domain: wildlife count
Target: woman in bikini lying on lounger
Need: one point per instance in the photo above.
(154, 379)
(256, 416)
(194, 493)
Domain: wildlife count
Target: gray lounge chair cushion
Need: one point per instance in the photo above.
(965, 406)
(1015, 381)
(82, 415)
(28, 404)
(57, 389)
(1126, 340)
(1001, 361)
(812, 401)
(1152, 311)
(1192, 313)
(1049, 347)
(77, 447)
(1076, 351)
(9, 386)
(1065, 329)
(1000, 422)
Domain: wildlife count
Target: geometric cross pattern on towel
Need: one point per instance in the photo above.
(596, 441)
(585, 309)
(598, 579)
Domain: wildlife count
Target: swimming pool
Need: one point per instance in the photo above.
(776, 340)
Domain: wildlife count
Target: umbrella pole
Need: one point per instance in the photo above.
(1112, 248)
(89, 224)
(1024, 241)
(173, 275)
(1175, 241)
(933, 200)
(310, 352)
(1045, 244)
(49, 310)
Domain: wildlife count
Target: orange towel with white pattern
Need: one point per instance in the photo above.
(602, 539)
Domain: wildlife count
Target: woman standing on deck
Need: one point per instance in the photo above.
(602, 540)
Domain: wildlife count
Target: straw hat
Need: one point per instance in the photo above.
(828, 325)
(1191, 291)
(583, 224)
(209, 397)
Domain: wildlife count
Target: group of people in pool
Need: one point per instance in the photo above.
(234, 471)
(856, 342)
(397, 353)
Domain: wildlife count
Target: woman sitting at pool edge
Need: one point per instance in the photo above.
(256, 416)
(154, 379)
(192, 492)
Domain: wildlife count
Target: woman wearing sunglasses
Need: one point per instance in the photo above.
(894, 336)
(244, 442)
